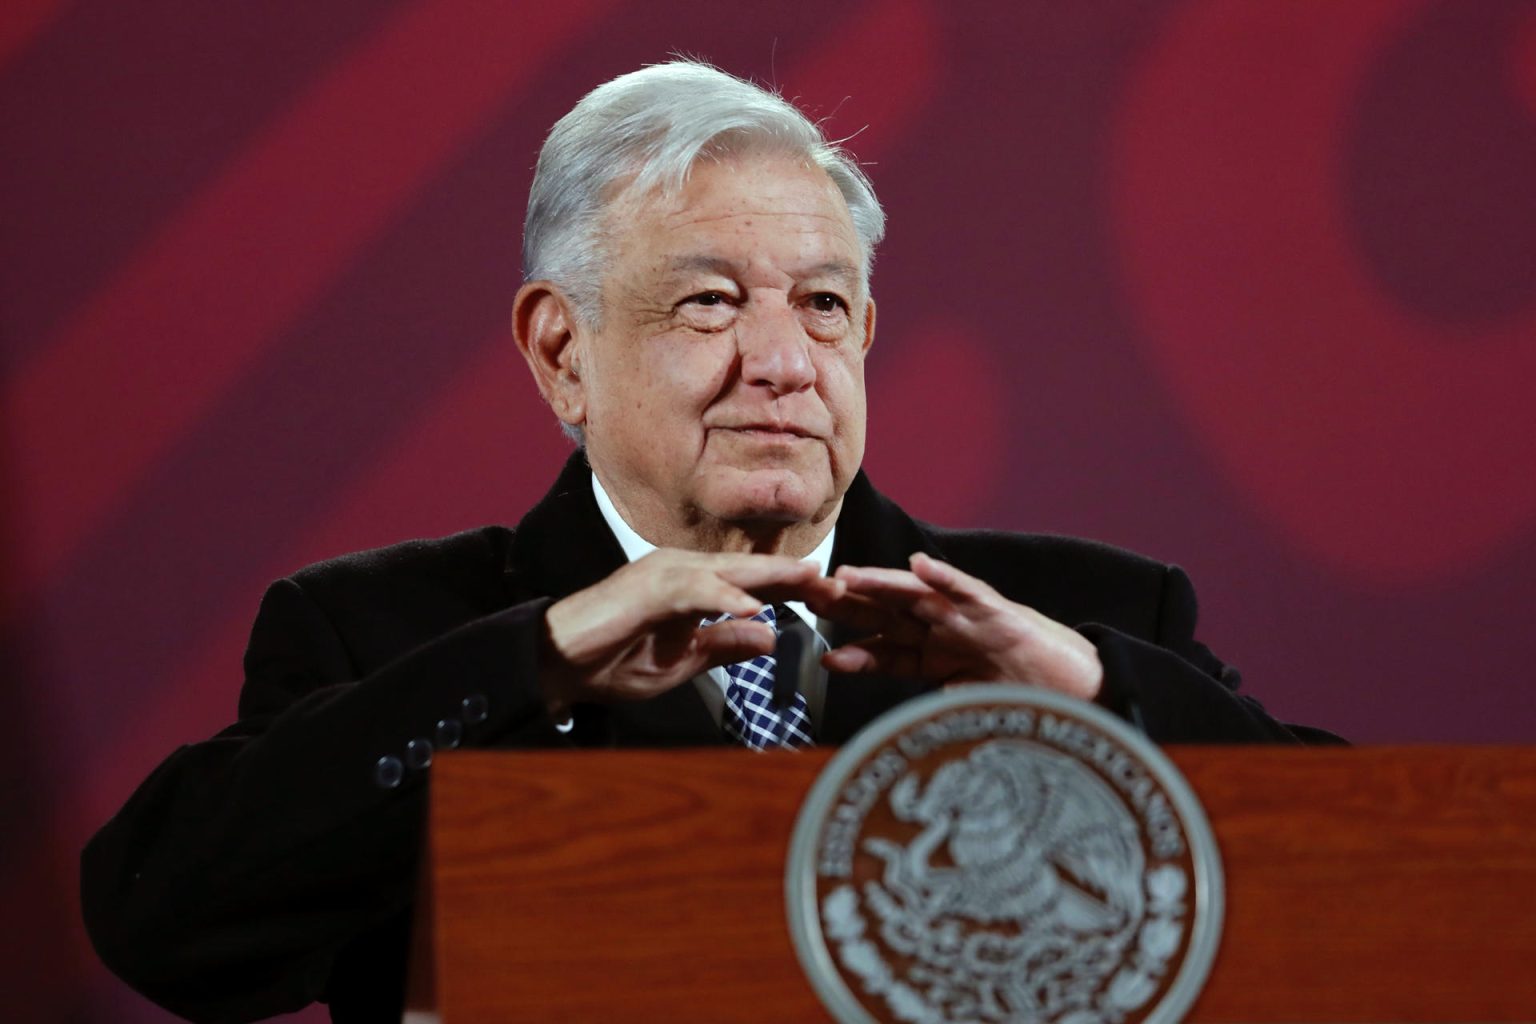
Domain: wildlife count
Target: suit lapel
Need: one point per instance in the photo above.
(872, 531)
(564, 545)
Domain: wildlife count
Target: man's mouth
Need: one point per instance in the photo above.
(769, 430)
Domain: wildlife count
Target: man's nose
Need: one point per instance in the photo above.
(775, 351)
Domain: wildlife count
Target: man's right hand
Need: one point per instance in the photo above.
(637, 632)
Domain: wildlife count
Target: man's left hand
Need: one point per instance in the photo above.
(938, 623)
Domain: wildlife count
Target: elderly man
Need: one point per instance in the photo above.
(697, 312)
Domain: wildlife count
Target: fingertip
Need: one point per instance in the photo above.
(827, 588)
(846, 659)
(934, 571)
(927, 561)
(759, 637)
(735, 640)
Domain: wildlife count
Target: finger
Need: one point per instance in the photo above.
(680, 652)
(673, 582)
(724, 597)
(893, 600)
(850, 659)
(959, 587)
(699, 649)
(866, 577)
(865, 616)
(854, 611)
(702, 594)
(732, 640)
(939, 612)
(881, 655)
(750, 571)
(895, 587)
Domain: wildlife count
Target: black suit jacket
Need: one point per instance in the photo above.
(272, 865)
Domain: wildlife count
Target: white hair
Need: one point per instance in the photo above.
(652, 126)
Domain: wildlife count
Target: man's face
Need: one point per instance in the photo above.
(726, 382)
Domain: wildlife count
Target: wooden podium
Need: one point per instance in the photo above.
(1372, 884)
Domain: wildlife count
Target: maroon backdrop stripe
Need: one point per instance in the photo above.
(1364, 472)
(303, 200)
(896, 70)
(125, 110)
(917, 391)
(23, 21)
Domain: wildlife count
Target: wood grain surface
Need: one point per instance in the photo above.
(1374, 884)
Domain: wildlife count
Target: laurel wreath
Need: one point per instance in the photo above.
(1157, 940)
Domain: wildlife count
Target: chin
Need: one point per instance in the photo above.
(778, 496)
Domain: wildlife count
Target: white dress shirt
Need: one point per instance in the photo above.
(712, 684)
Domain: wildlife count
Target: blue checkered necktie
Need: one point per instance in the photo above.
(750, 716)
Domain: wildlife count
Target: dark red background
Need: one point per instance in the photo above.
(1249, 287)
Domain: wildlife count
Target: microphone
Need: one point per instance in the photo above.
(794, 655)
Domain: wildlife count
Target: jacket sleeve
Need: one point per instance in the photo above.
(226, 886)
(1175, 689)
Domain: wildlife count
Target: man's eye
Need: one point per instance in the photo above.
(706, 299)
(826, 302)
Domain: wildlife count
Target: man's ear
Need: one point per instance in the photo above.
(869, 324)
(549, 337)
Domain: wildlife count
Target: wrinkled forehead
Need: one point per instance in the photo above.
(775, 201)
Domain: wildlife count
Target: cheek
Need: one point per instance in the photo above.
(677, 381)
(843, 392)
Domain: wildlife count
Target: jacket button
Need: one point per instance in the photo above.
(450, 733)
(388, 772)
(418, 752)
(476, 708)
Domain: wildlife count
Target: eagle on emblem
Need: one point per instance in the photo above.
(1022, 887)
